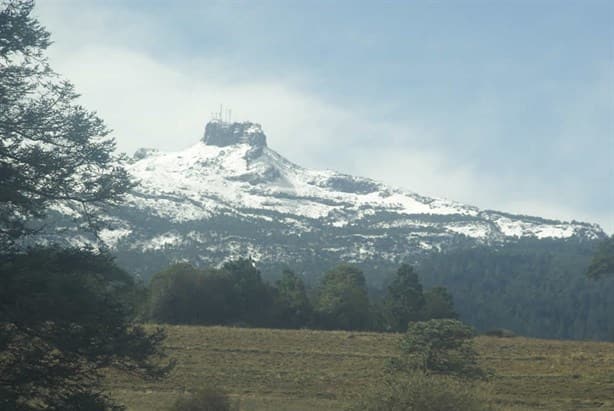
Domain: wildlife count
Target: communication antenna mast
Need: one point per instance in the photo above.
(222, 115)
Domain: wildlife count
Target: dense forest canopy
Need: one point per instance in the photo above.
(531, 287)
(532, 291)
(602, 264)
(535, 288)
(236, 294)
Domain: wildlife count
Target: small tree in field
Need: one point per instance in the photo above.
(442, 346)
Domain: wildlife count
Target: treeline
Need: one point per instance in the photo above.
(236, 294)
(534, 288)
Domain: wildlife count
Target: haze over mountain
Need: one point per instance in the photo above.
(230, 196)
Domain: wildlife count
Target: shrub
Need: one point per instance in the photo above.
(442, 346)
(422, 392)
(206, 399)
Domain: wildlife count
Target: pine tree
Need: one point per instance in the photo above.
(405, 301)
(51, 148)
(64, 314)
(293, 307)
(438, 303)
(342, 301)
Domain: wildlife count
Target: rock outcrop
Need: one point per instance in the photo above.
(222, 134)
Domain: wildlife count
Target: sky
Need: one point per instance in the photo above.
(505, 105)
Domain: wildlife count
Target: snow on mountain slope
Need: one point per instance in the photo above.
(206, 179)
(211, 178)
(230, 195)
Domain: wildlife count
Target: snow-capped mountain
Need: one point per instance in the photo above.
(231, 196)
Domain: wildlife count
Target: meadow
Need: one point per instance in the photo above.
(303, 370)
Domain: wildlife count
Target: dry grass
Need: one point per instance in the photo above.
(323, 370)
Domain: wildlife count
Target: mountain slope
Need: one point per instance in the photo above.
(230, 195)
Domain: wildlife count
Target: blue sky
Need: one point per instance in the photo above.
(505, 105)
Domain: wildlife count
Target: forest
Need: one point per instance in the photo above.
(236, 295)
(539, 292)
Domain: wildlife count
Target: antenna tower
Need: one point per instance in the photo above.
(222, 115)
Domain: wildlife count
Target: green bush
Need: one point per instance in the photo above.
(206, 399)
(422, 392)
(442, 346)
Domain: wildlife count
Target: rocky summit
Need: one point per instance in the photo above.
(230, 196)
(222, 134)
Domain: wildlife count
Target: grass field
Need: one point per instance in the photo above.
(325, 370)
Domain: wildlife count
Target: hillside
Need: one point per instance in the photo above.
(325, 370)
(230, 196)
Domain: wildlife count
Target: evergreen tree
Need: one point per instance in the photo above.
(176, 294)
(442, 346)
(404, 302)
(251, 297)
(602, 264)
(293, 308)
(183, 294)
(532, 287)
(438, 303)
(51, 148)
(64, 314)
(342, 301)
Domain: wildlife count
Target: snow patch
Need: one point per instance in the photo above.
(168, 239)
(112, 236)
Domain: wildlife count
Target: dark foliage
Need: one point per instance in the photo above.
(251, 298)
(438, 303)
(51, 148)
(235, 294)
(292, 306)
(442, 346)
(533, 288)
(602, 264)
(342, 300)
(405, 299)
(206, 399)
(65, 315)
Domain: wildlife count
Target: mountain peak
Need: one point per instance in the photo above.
(220, 133)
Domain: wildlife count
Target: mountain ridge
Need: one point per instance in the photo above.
(230, 195)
